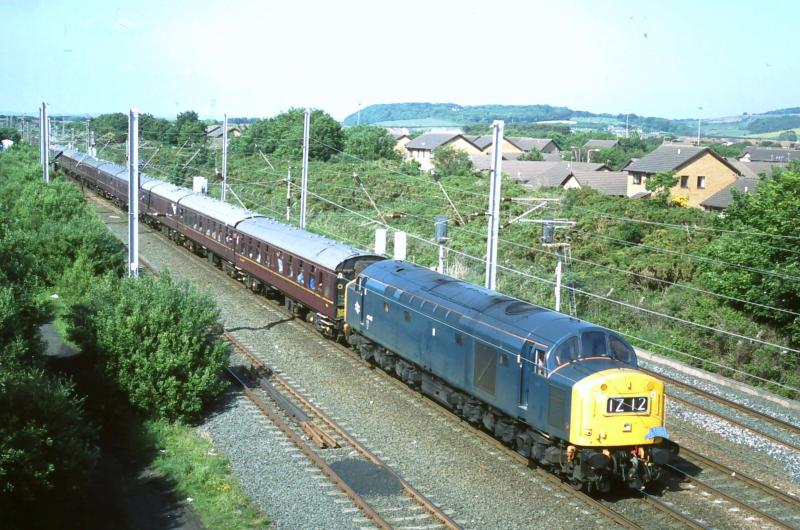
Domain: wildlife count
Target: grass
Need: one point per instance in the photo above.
(188, 459)
(773, 135)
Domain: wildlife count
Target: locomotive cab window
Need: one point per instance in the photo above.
(593, 344)
(621, 350)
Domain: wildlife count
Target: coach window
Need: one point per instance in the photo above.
(326, 281)
(312, 279)
(250, 247)
(289, 266)
(258, 252)
(267, 258)
(280, 262)
(301, 278)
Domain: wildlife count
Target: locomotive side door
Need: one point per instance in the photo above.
(524, 366)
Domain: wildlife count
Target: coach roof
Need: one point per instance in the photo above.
(309, 246)
(221, 211)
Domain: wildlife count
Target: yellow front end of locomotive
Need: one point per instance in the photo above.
(615, 408)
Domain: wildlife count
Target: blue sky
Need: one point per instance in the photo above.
(258, 58)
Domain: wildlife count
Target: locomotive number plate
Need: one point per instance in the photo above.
(621, 405)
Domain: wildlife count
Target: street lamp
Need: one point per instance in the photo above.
(698, 127)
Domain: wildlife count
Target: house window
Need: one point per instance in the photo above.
(701, 183)
(684, 181)
(637, 180)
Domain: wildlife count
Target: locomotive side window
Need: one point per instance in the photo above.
(459, 339)
(538, 362)
(406, 316)
(503, 359)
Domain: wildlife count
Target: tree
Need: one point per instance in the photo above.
(451, 162)
(111, 127)
(533, 155)
(46, 449)
(660, 184)
(789, 135)
(773, 208)
(155, 129)
(9, 133)
(157, 339)
(370, 143)
(282, 136)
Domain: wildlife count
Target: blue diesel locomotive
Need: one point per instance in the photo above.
(563, 392)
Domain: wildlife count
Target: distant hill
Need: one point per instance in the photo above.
(449, 114)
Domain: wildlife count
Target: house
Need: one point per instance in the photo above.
(538, 174)
(723, 198)
(214, 134)
(612, 183)
(514, 146)
(701, 172)
(767, 154)
(401, 138)
(756, 169)
(600, 144)
(421, 148)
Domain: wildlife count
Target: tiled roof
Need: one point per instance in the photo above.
(431, 141)
(600, 144)
(526, 143)
(755, 169)
(537, 173)
(606, 182)
(724, 197)
(666, 158)
(765, 154)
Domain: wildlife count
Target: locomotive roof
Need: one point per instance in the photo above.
(508, 314)
(221, 211)
(307, 245)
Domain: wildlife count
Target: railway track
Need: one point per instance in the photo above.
(741, 491)
(790, 432)
(385, 510)
(288, 406)
(670, 516)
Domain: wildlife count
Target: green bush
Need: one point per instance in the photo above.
(157, 339)
(46, 449)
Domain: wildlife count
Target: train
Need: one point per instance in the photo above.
(563, 392)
